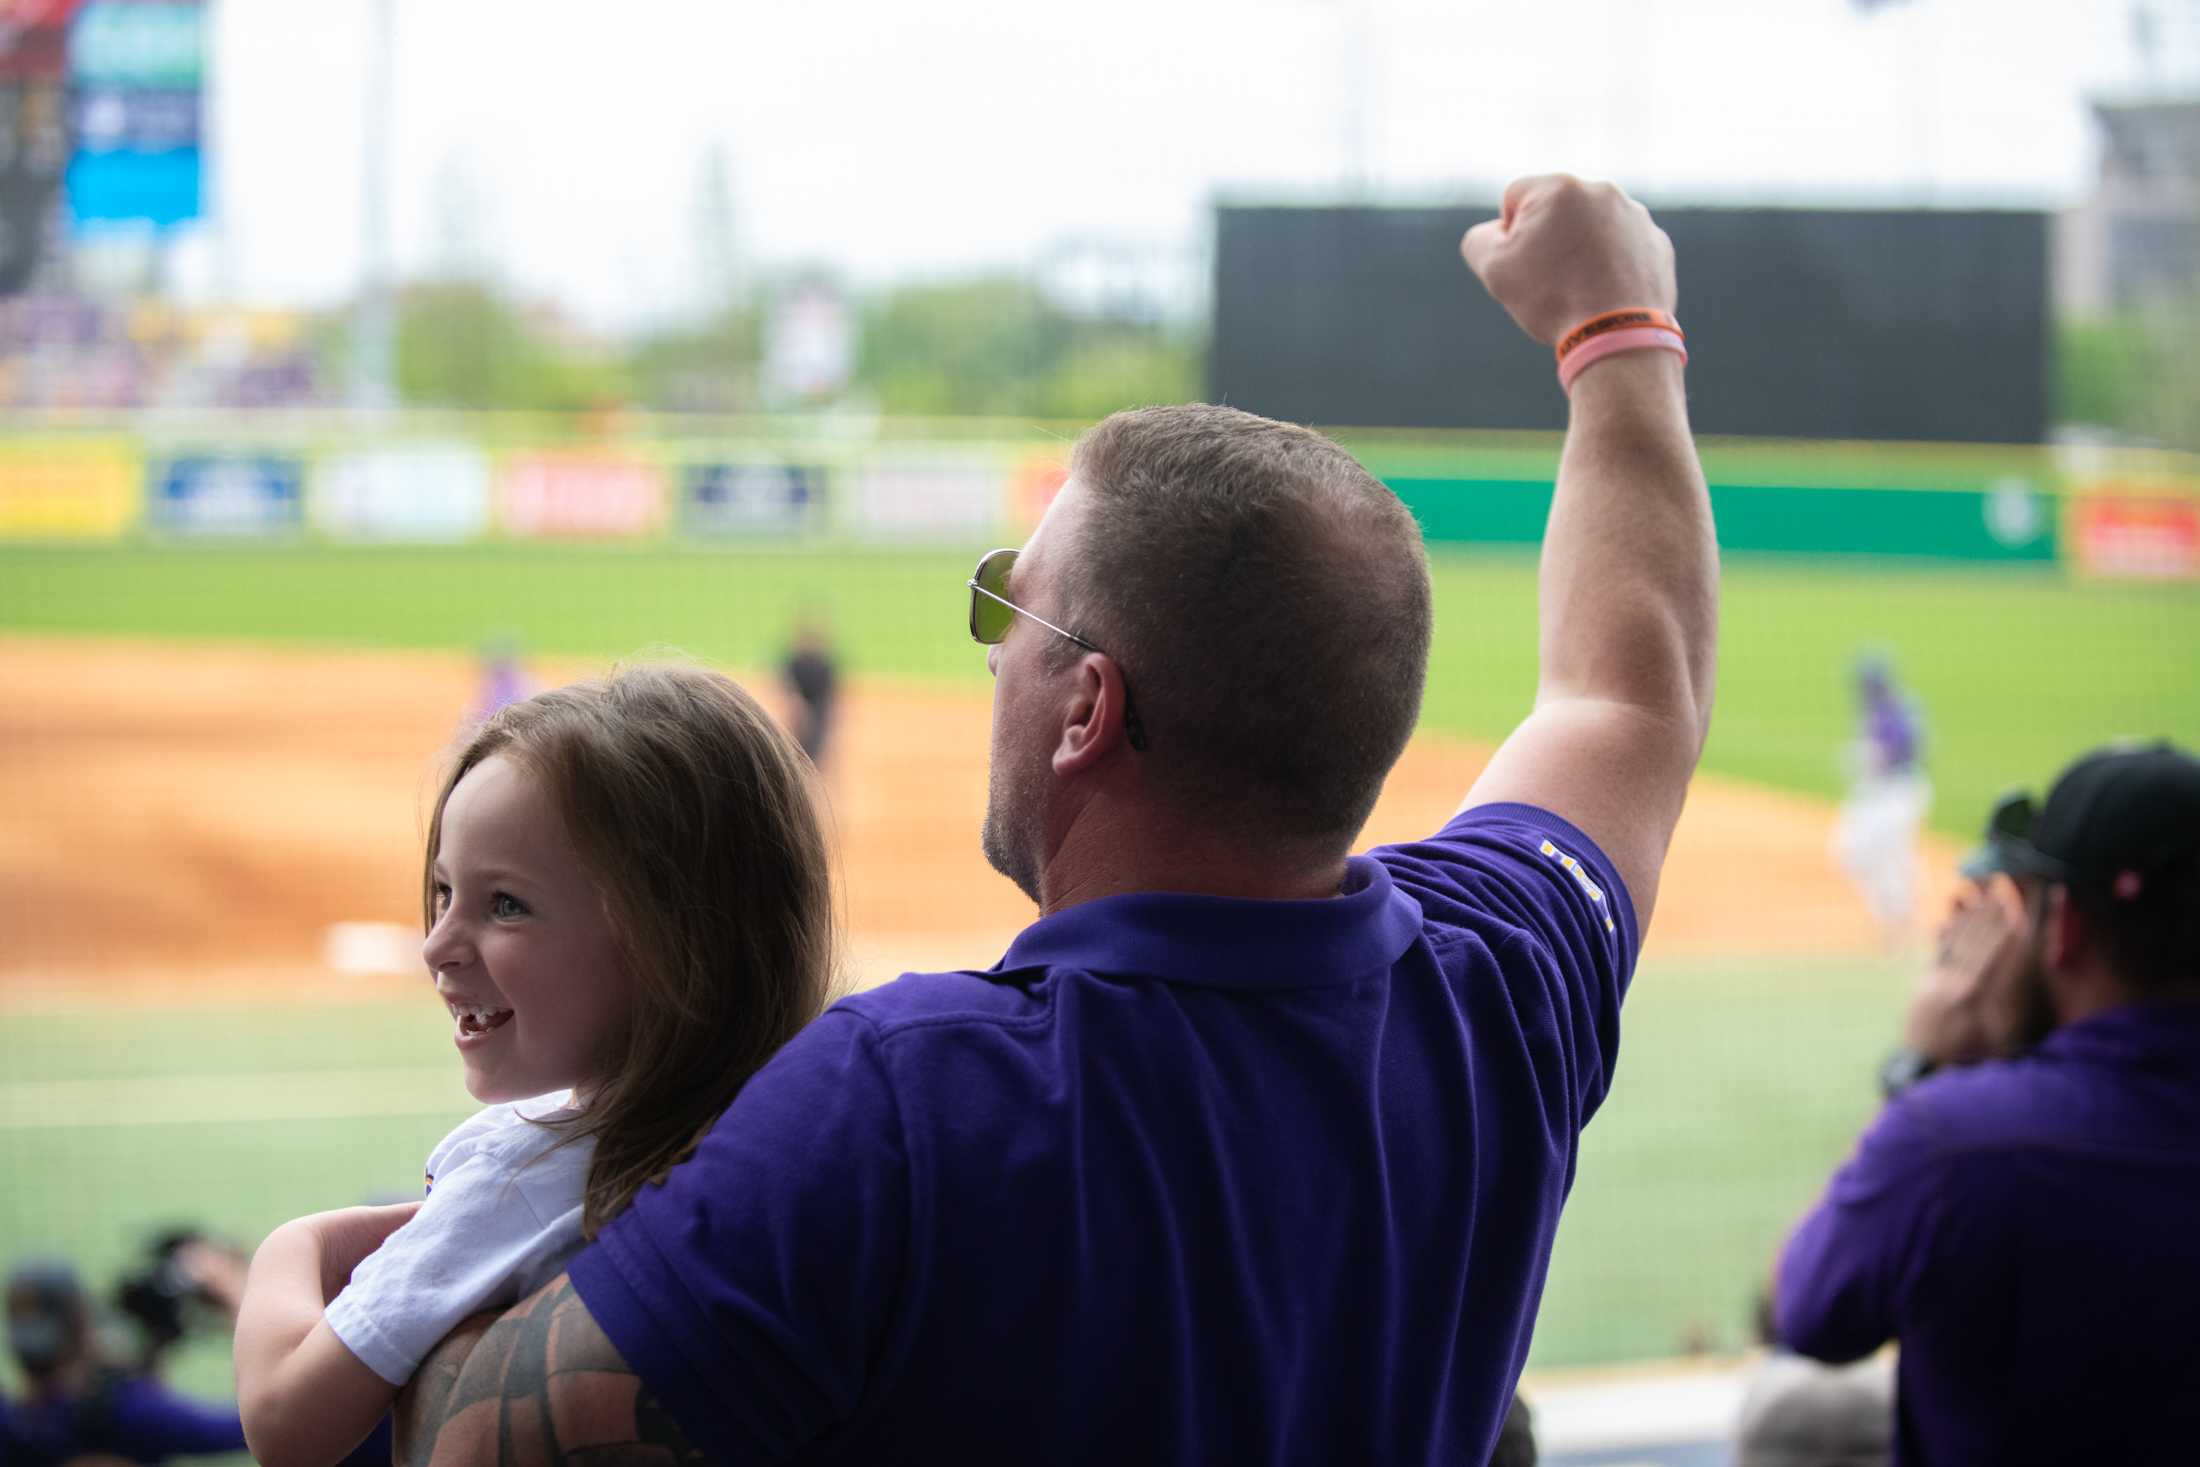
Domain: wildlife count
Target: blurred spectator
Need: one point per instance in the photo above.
(67, 352)
(1889, 795)
(2021, 1215)
(76, 1402)
(1799, 1413)
(81, 1405)
(1516, 1438)
(812, 676)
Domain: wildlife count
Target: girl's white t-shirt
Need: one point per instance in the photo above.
(502, 1217)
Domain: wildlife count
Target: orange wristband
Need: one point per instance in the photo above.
(1630, 319)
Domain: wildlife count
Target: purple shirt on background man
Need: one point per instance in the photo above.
(2029, 1230)
(138, 1419)
(1182, 1179)
(134, 1418)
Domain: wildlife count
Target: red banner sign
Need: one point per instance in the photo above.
(2131, 534)
(581, 496)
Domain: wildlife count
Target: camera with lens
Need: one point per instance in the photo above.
(162, 1297)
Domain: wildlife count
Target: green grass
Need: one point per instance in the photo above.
(97, 1193)
(1738, 1088)
(2018, 669)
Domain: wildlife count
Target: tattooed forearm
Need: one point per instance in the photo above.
(426, 1399)
(539, 1385)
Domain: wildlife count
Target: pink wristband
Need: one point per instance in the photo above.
(1612, 343)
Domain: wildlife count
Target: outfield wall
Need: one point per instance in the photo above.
(445, 479)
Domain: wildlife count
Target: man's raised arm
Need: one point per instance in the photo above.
(1630, 573)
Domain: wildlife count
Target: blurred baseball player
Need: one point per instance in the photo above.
(1876, 838)
(503, 680)
(812, 676)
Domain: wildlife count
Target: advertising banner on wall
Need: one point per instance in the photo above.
(419, 491)
(936, 499)
(226, 494)
(2122, 532)
(2008, 522)
(582, 496)
(134, 74)
(753, 498)
(68, 488)
(1032, 488)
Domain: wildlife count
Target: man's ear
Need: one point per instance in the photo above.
(1093, 724)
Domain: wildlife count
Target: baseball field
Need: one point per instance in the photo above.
(214, 760)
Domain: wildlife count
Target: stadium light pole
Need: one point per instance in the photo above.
(372, 327)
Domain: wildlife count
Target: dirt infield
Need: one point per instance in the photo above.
(194, 819)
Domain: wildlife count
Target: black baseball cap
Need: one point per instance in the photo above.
(51, 1281)
(2113, 817)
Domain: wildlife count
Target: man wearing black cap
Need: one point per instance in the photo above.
(2024, 1215)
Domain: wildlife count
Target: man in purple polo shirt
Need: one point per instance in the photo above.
(2023, 1218)
(1247, 1150)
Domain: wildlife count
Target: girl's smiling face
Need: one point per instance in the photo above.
(522, 950)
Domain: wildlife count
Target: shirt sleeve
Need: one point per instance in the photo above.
(1848, 1270)
(1554, 914)
(478, 1233)
(752, 1289)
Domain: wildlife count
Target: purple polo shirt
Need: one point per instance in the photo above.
(1181, 1179)
(2030, 1231)
(136, 1419)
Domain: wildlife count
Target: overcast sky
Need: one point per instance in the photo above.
(564, 144)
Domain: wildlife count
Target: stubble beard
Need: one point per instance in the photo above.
(2026, 1013)
(1014, 795)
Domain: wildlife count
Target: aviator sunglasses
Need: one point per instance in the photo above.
(991, 612)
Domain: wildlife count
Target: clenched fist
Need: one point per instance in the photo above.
(1561, 251)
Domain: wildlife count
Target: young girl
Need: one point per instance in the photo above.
(628, 911)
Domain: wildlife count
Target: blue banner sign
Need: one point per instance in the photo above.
(107, 118)
(156, 188)
(134, 73)
(750, 498)
(221, 494)
(138, 43)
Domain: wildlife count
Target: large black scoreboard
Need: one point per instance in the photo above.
(1813, 323)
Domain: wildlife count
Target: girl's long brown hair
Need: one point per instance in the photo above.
(695, 814)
